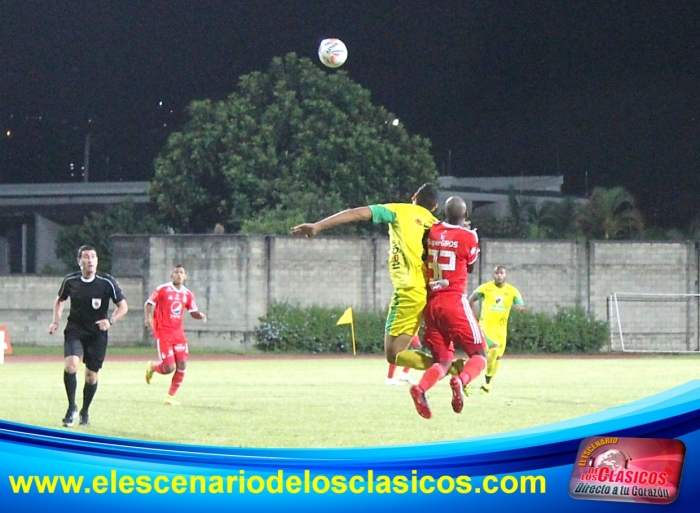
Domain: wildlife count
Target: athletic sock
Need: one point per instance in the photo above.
(434, 374)
(491, 361)
(158, 368)
(413, 359)
(70, 382)
(88, 394)
(176, 382)
(406, 369)
(496, 364)
(472, 369)
(392, 369)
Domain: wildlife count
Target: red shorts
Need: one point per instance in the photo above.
(172, 347)
(450, 323)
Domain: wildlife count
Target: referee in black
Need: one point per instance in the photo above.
(86, 331)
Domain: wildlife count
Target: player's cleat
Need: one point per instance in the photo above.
(149, 373)
(457, 397)
(485, 388)
(406, 377)
(84, 419)
(170, 400)
(70, 417)
(420, 402)
(393, 381)
(467, 389)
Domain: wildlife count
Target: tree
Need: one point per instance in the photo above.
(98, 227)
(560, 219)
(293, 140)
(611, 214)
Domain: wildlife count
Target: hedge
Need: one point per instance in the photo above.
(294, 329)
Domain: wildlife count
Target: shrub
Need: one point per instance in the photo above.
(293, 329)
(569, 330)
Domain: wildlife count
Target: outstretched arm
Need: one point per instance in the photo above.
(351, 215)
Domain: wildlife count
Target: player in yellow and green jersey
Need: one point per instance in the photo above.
(497, 298)
(408, 223)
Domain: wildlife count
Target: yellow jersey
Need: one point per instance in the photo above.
(407, 226)
(496, 303)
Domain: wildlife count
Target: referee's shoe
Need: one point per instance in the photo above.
(70, 417)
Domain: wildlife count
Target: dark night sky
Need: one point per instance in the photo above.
(604, 90)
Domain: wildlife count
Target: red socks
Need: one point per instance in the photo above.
(177, 381)
(472, 369)
(157, 368)
(434, 374)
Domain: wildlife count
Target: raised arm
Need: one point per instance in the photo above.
(351, 215)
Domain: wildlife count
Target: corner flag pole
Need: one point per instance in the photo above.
(346, 318)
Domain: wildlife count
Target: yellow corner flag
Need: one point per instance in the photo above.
(346, 318)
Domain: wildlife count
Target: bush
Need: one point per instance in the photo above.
(569, 330)
(293, 329)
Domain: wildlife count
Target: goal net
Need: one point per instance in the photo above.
(654, 323)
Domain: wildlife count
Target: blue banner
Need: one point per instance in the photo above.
(528, 470)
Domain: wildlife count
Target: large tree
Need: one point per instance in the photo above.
(293, 142)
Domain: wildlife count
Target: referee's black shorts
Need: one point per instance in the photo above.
(90, 343)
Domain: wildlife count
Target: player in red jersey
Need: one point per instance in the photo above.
(163, 314)
(451, 250)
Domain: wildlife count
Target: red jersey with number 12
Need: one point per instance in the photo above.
(169, 307)
(450, 249)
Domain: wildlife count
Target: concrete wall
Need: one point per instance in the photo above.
(26, 304)
(235, 277)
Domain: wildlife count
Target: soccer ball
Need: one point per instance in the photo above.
(332, 52)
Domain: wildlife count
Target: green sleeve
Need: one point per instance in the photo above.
(518, 299)
(381, 214)
(478, 294)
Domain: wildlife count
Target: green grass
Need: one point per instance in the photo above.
(328, 402)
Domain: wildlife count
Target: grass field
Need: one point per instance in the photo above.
(327, 402)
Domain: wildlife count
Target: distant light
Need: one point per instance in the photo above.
(395, 122)
(160, 104)
(8, 133)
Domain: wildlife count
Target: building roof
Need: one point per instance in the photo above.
(503, 183)
(68, 202)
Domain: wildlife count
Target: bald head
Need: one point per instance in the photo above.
(455, 210)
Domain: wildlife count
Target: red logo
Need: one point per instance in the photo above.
(642, 470)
